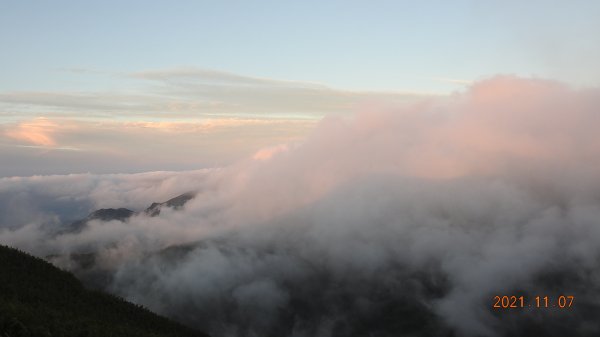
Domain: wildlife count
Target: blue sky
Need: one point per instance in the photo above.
(198, 65)
(399, 45)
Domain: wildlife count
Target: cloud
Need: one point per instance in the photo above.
(202, 109)
(91, 104)
(200, 93)
(214, 77)
(269, 152)
(453, 80)
(36, 132)
(65, 145)
(388, 222)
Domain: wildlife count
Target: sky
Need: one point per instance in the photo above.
(132, 86)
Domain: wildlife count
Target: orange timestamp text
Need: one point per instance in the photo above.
(511, 302)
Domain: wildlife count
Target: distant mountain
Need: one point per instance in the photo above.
(38, 299)
(175, 203)
(123, 214)
(107, 214)
(104, 214)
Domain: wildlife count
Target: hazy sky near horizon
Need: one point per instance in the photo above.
(127, 86)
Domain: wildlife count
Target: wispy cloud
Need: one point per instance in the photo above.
(192, 117)
(453, 80)
(215, 77)
(84, 70)
(40, 145)
(200, 93)
(38, 132)
(90, 103)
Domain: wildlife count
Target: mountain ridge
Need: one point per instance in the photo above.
(123, 214)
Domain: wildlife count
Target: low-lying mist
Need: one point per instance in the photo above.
(400, 221)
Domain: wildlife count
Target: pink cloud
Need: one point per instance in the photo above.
(38, 131)
(501, 126)
(269, 152)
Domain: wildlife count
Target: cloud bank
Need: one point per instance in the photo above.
(198, 93)
(63, 145)
(204, 118)
(398, 222)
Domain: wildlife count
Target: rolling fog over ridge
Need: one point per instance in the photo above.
(405, 220)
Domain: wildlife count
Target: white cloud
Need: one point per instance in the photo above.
(422, 213)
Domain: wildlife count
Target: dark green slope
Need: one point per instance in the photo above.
(38, 299)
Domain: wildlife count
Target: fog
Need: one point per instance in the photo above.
(395, 221)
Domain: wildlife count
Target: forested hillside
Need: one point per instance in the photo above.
(38, 299)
